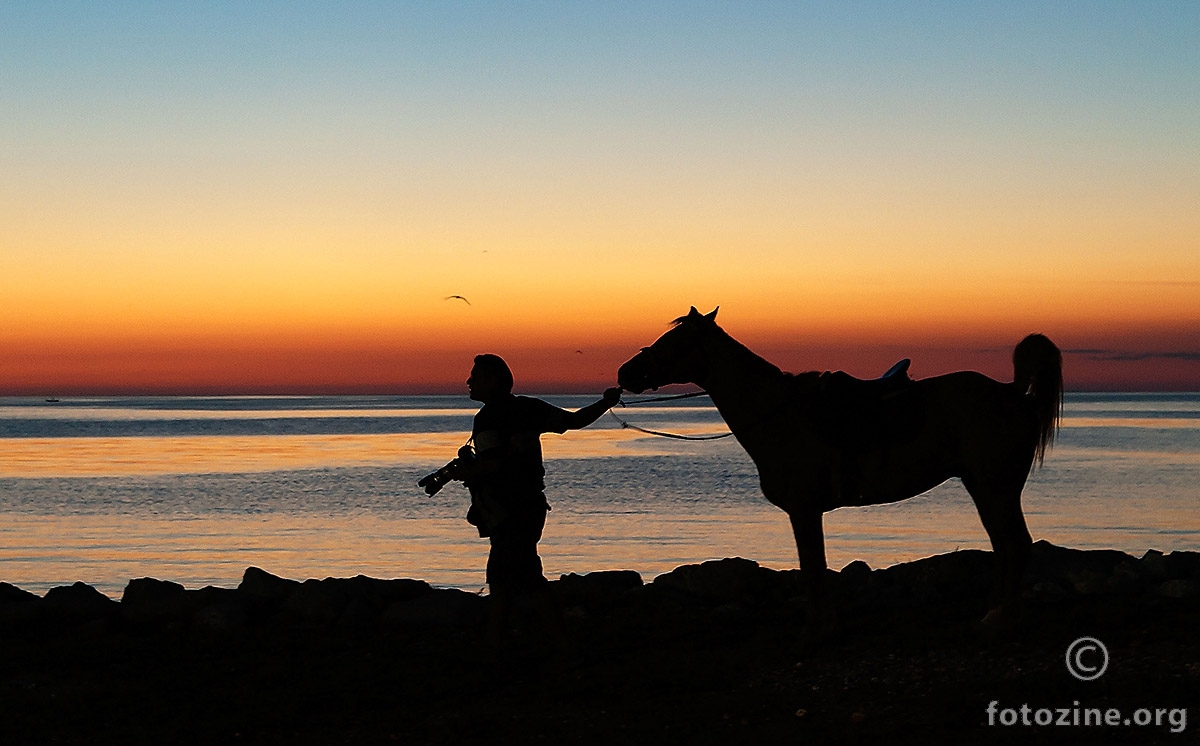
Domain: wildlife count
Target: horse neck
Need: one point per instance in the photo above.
(744, 387)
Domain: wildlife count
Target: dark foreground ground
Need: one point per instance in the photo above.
(712, 653)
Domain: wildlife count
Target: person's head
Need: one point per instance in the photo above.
(490, 377)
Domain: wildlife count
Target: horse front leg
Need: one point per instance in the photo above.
(809, 531)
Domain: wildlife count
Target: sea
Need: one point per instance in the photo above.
(197, 489)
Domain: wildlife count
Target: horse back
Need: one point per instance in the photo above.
(962, 424)
(973, 425)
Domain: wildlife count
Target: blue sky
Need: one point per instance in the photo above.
(818, 169)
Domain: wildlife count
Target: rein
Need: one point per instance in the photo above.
(658, 433)
(664, 398)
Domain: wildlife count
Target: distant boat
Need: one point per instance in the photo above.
(52, 401)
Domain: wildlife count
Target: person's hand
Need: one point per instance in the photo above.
(612, 396)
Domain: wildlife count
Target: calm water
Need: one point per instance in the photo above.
(197, 489)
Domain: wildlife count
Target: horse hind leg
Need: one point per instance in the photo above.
(999, 508)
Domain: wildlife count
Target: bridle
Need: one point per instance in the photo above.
(650, 355)
(649, 352)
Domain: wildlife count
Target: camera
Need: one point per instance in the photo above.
(433, 483)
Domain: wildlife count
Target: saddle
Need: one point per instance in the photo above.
(854, 415)
(839, 384)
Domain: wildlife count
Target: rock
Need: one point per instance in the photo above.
(1088, 582)
(262, 587)
(18, 607)
(317, 601)
(1179, 588)
(326, 601)
(729, 614)
(965, 573)
(791, 583)
(730, 579)
(440, 607)
(150, 590)
(1154, 564)
(1127, 577)
(1183, 565)
(599, 588)
(888, 674)
(79, 603)
(856, 569)
(1087, 572)
(211, 595)
(358, 614)
(220, 618)
(604, 580)
(854, 585)
(219, 610)
(1047, 590)
(380, 594)
(10, 595)
(148, 600)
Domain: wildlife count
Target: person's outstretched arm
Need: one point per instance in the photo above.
(585, 416)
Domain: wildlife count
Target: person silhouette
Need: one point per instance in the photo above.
(506, 479)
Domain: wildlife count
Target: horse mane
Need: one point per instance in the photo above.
(758, 364)
(809, 380)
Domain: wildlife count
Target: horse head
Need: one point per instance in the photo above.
(675, 357)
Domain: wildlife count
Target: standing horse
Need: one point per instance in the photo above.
(825, 441)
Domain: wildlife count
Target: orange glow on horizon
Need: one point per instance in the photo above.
(568, 356)
(330, 302)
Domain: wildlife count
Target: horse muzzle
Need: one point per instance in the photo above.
(634, 375)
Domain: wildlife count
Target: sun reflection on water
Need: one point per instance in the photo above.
(199, 508)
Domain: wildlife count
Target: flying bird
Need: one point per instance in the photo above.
(457, 297)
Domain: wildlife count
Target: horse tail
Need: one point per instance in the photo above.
(1037, 373)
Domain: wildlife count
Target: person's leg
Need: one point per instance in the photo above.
(500, 600)
(551, 617)
(515, 567)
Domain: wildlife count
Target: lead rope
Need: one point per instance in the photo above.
(659, 433)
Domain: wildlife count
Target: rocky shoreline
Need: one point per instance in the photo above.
(714, 653)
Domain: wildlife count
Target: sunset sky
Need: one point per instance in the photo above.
(230, 197)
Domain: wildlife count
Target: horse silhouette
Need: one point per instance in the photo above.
(823, 441)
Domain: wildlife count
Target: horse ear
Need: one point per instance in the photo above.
(694, 313)
(713, 316)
